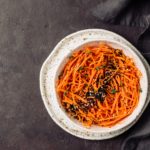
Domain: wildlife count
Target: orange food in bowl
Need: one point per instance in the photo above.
(99, 85)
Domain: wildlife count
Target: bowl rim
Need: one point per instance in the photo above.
(127, 44)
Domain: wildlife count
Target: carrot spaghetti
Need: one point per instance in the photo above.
(99, 85)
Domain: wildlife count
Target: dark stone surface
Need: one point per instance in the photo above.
(29, 29)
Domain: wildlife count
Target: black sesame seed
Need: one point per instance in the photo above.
(90, 94)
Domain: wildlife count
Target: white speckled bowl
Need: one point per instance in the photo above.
(53, 65)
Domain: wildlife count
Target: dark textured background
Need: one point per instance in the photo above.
(29, 29)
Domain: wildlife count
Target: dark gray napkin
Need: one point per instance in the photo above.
(124, 12)
(137, 14)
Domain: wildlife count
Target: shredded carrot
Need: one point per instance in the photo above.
(99, 85)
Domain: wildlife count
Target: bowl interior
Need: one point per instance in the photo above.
(143, 82)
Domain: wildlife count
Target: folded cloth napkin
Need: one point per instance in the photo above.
(131, 13)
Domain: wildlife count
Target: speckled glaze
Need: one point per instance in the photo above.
(53, 65)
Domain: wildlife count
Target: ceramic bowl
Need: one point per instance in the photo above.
(54, 64)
